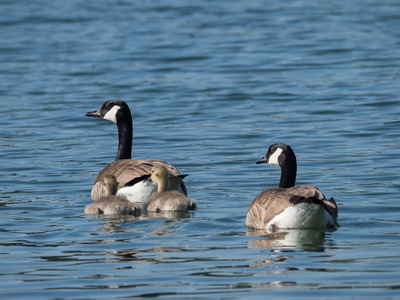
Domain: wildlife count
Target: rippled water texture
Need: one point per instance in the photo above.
(211, 85)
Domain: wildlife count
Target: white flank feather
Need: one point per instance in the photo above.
(139, 192)
(303, 215)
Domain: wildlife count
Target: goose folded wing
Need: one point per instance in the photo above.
(311, 194)
(129, 172)
(267, 205)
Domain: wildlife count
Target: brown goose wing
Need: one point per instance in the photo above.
(129, 172)
(267, 205)
(306, 191)
(309, 193)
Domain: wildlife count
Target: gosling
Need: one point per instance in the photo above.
(164, 200)
(112, 204)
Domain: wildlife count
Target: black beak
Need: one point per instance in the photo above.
(95, 113)
(262, 160)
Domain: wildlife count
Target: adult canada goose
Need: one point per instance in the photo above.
(110, 204)
(290, 206)
(164, 200)
(130, 173)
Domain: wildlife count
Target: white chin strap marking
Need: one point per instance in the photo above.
(274, 158)
(111, 115)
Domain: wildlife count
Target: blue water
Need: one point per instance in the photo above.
(211, 84)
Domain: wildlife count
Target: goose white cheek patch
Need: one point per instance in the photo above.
(111, 115)
(274, 158)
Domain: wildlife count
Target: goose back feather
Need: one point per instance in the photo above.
(274, 201)
(132, 171)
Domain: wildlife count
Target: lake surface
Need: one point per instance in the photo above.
(211, 84)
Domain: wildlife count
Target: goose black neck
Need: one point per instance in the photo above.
(125, 136)
(288, 173)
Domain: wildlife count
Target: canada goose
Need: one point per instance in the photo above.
(110, 204)
(290, 206)
(130, 173)
(164, 200)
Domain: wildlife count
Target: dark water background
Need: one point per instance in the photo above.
(211, 85)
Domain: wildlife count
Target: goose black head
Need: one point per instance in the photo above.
(112, 110)
(278, 154)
